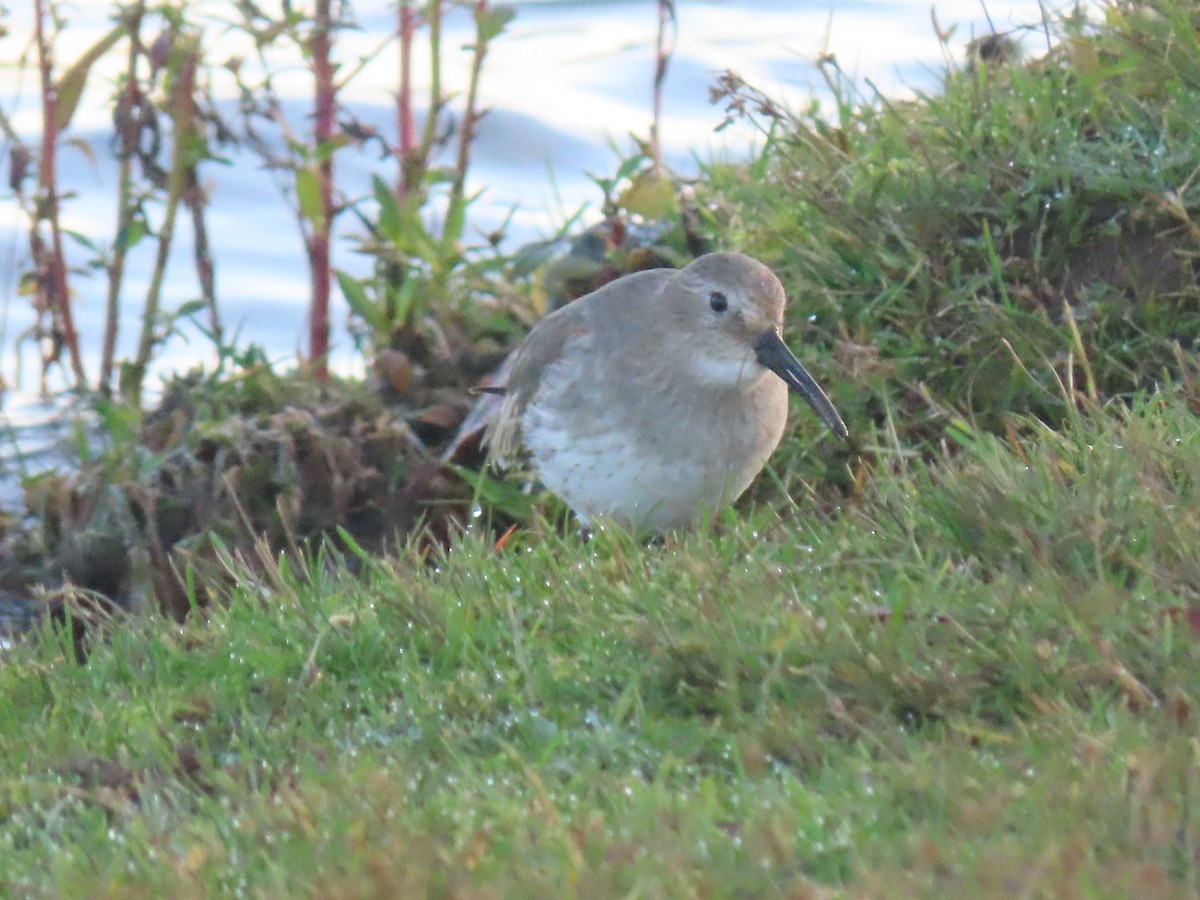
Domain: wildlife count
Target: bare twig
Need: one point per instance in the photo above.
(1046, 25)
(195, 200)
(987, 15)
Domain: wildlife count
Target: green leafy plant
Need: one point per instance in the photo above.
(415, 229)
(159, 92)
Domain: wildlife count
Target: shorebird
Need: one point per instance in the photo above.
(656, 400)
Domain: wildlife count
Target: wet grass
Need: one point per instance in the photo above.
(962, 660)
(979, 679)
(963, 254)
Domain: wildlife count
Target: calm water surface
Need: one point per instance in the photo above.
(567, 83)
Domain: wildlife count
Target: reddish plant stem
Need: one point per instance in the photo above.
(405, 124)
(318, 237)
(57, 296)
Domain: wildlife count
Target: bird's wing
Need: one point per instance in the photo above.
(542, 347)
(603, 309)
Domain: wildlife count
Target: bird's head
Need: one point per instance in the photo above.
(729, 309)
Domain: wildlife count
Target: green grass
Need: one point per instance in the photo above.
(962, 254)
(974, 680)
(962, 660)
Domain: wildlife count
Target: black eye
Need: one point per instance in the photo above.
(718, 301)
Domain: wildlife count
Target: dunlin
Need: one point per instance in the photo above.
(656, 400)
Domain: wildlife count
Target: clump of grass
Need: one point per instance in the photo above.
(933, 691)
(965, 252)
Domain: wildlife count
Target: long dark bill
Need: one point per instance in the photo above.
(773, 353)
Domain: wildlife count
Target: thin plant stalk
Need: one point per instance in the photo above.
(19, 158)
(55, 275)
(127, 138)
(433, 17)
(662, 58)
(406, 127)
(183, 126)
(319, 235)
(194, 199)
(466, 134)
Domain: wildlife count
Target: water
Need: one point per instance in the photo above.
(567, 83)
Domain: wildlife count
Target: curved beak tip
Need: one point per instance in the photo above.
(774, 354)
